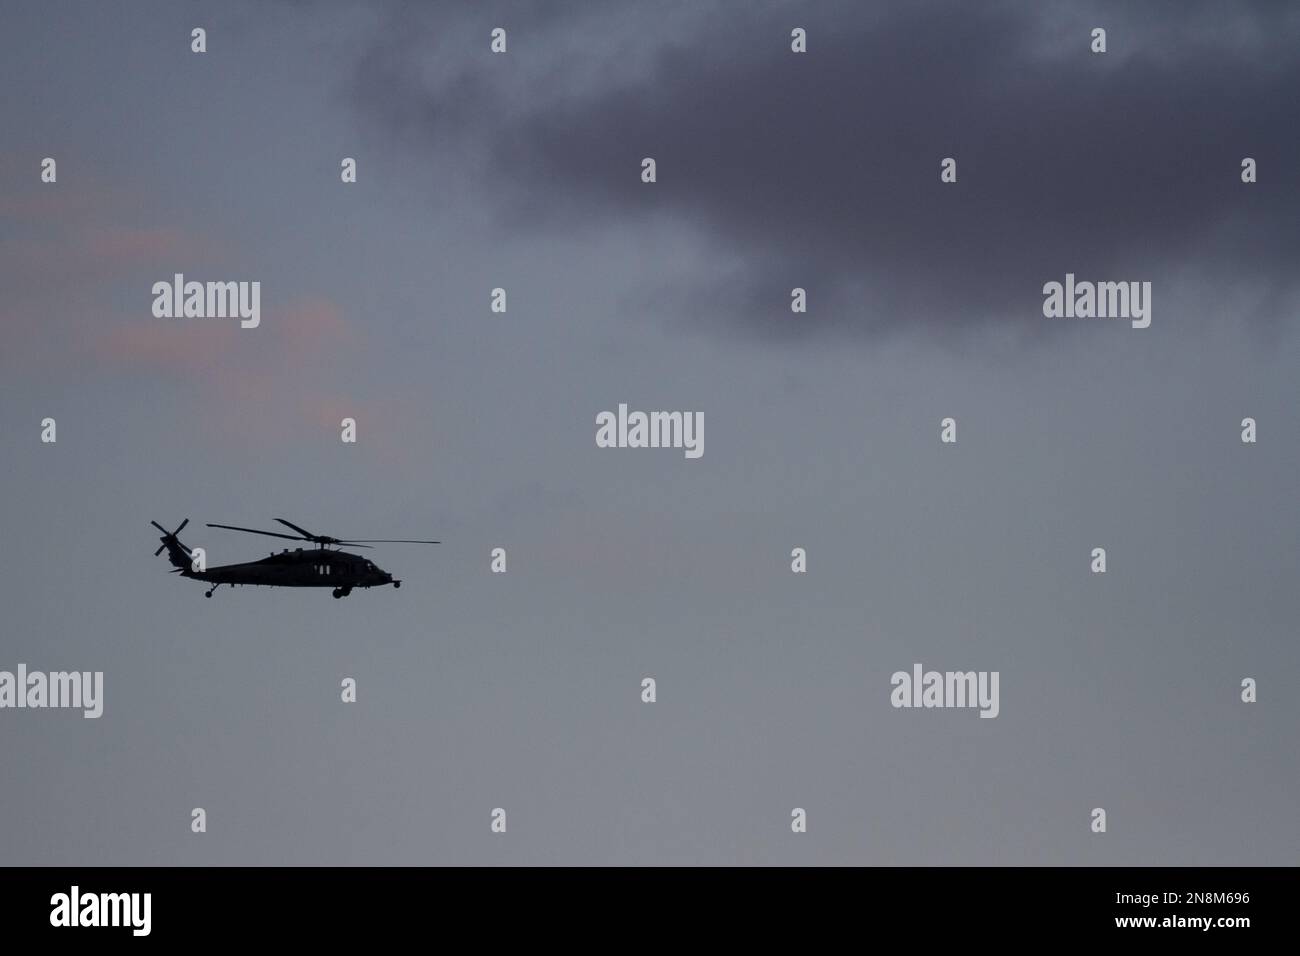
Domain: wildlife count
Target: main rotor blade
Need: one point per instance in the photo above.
(269, 534)
(182, 527)
(389, 541)
(302, 531)
(159, 527)
(352, 544)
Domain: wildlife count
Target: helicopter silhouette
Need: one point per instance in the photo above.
(320, 567)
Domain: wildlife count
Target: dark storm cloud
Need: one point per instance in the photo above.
(822, 170)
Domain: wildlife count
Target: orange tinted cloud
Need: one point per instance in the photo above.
(289, 341)
(108, 247)
(261, 385)
(164, 348)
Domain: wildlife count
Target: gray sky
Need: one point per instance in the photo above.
(522, 690)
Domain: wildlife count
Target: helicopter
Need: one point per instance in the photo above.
(320, 567)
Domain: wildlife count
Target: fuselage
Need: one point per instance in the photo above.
(299, 568)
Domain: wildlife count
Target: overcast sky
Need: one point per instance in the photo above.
(775, 170)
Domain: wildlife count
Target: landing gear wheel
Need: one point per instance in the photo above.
(207, 594)
(337, 593)
(397, 584)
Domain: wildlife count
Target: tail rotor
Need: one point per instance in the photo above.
(170, 541)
